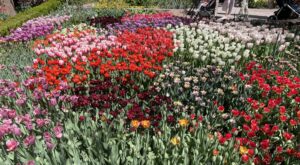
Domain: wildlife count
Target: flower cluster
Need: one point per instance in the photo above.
(268, 127)
(148, 17)
(134, 22)
(247, 33)
(79, 55)
(124, 99)
(104, 21)
(208, 45)
(199, 88)
(190, 91)
(34, 28)
(19, 130)
(12, 90)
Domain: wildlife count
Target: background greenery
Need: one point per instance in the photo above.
(20, 18)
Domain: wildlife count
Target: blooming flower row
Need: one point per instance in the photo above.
(207, 45)
(249, 34)
(79, 55)
(134, 22)
(34, 28)
(21, 128)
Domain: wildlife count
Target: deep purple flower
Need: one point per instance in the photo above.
(35, 28)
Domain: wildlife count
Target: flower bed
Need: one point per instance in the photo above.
(40, 26)
(143, 20)
(151, 89)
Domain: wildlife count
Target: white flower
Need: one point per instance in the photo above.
(225, 116)
(287, 44)
(222, 63)
(187, 85)
(281, 48)
(187, 78)
(202, 104)
(237, 58)
(158, 89)
(230, 61)
(177, 103)
(203, 58)
(224, 55)
(196, 55)
(195, 93)
(246, 53)
(176, 80)
(249, 45)
(195, 79)
(220, 91)
(290, 35)
(232, 121)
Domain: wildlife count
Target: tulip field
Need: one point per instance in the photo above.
(125, 87)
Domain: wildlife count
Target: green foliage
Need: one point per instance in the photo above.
(3, 17)
(77, 13)
(20, 18)
(111, 12)
(169, 4)
(112, 4)
(14, 55)
(141, 11)
(79, 2)
(258, 3)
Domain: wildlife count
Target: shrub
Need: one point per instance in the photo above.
(20, 18)
(162, 3)
(114, 4)
(258, 3)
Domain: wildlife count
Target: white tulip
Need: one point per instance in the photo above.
(246, 53)
(237, 58)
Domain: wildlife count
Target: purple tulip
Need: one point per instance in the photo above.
(34, 28)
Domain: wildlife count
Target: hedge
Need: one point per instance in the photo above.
(20, 18)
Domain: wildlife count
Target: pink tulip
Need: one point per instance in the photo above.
(58, 131)
(29, 140)
(15, 130)
(12, 145)
(30, 162)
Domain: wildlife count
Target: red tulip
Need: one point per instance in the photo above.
(221, 108)
(288, 136)
(245, 158)
(265, 144)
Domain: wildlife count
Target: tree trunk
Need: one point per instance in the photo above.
(8, 7)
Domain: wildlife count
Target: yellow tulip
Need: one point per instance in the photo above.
(183, 122)
(175, 140)
(243, 150)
